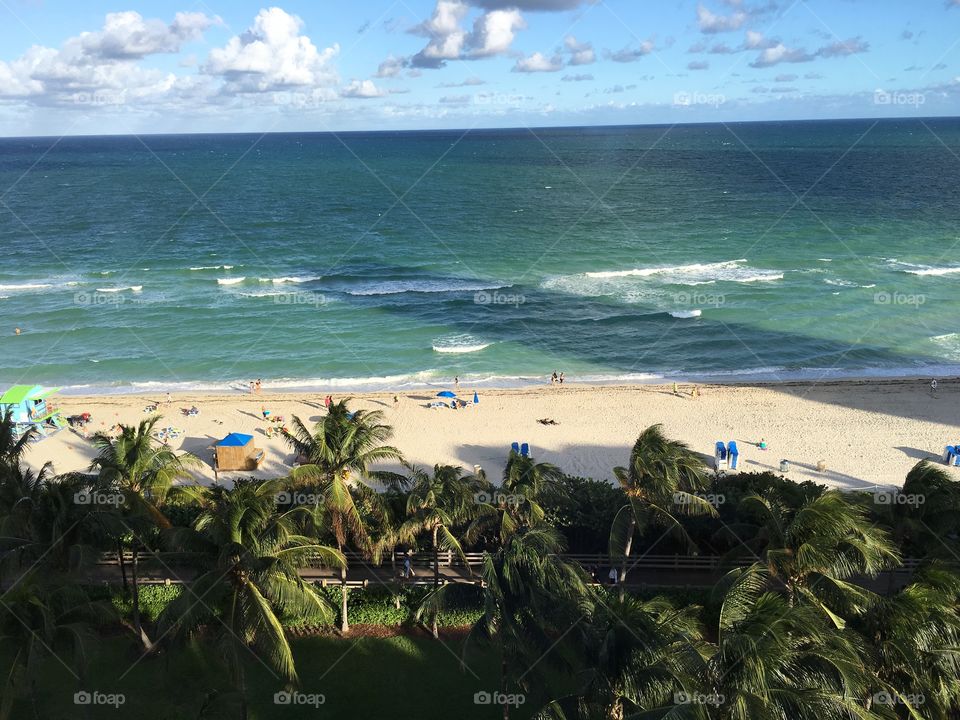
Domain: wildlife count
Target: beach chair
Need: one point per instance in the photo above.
(951, 455)
(525, 450)
(733, 454)
(720, 456)
(515, 447)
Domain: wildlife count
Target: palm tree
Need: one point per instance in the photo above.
(817, 549)
(638, 656)
(916, 637)
(533, 603)
(341, 447)
(142, 470)
(436, 504)
(516, 503)
(661, 481)
(40, 617)
(924, 516)
(249, 556)
(774, 660)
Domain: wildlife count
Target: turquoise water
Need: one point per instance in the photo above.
(772, 251)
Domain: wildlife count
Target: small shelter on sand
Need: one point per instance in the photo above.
(237, 452)
(30, 406)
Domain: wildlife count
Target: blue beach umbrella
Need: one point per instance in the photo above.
(446, 394)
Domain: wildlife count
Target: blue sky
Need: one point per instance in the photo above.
(135, 67)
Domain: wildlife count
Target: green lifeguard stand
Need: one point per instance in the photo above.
(31, 406)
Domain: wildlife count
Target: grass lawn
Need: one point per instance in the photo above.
(398, 677)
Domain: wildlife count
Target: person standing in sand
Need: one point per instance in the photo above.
(560, 379)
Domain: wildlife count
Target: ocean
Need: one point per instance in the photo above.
(362, 261)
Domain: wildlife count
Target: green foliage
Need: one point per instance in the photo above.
(583, 510)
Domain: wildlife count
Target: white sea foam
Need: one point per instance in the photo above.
(459, 344)
(923, 270)
(291, 279)
(949, 344)
(394, 287)
(686, 313)
(694, 273)
(230, 281)
(213, 267)
(134, 288)
(26, 286)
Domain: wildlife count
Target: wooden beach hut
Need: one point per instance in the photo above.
(237, 452)
(32, 406)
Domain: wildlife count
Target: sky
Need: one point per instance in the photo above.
(172, 66)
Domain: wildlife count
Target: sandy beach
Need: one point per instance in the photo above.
(867, 433)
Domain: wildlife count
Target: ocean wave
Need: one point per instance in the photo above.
(949, 343)
(686, 313)
(133, 288)
(395, 287)
(837, 282)
(923, 270)
(605, 282)
(230, 281)
(25, 286)
(459, 344)
(280, 280)
(212, 267)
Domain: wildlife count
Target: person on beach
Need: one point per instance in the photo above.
(612, 576)
(169, 399)
(933, 387)
(408, 568)
(252, 387)
(762, 444)
(456, 382)
(553, 378)
(258, 385)
(396, 400)
(560, 379)
(264, 412)
(326, 402)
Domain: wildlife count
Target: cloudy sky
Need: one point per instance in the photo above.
(70, 67)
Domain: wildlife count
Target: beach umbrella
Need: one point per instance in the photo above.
(446, 394)
(476, 398)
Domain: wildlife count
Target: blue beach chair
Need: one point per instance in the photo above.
(525, 450)
(732, 454)
(515, 447)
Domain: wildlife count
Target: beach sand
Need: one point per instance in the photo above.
(867, 433)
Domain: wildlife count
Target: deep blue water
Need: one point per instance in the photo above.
(769, 250)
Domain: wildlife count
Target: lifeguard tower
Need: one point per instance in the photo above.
(31, 406)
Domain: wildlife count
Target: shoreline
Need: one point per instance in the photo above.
(365, 386)
(868, 433)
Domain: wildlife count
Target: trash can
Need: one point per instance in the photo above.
(784, 466)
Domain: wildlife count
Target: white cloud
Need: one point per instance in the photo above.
(780, 53)
(391, 67)
(126, 35)
(538, 62)
(710, 22)
(447, 37)
(272, 55)
(534, 5)
(99, 68)
(364, 89)
(581, 53)
(629, 54)
(493, 32)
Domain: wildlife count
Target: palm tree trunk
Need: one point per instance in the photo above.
(344, 622)
(436, 559)
(626, 553)
(503, 686)
(136, 593)
(123, 564)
